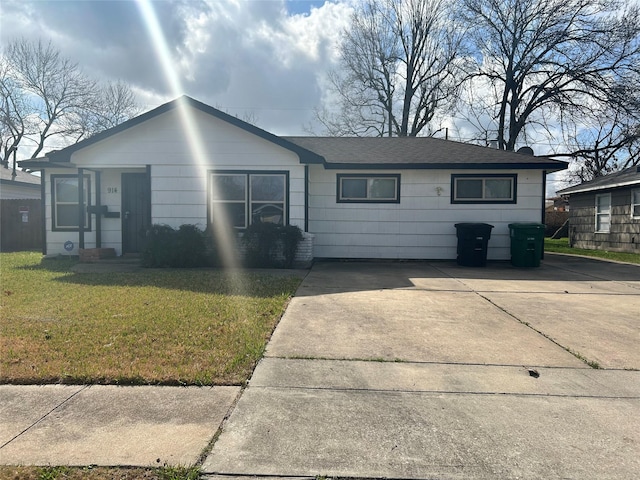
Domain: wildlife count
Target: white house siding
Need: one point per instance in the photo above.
(421, 226)
(179, 170)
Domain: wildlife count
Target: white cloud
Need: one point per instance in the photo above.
(261, 58)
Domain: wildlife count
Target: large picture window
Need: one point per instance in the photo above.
(471, 188)
(243, 198)
(64, 202)
(603, 213)
(368, 188)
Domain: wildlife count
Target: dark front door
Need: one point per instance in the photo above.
(136, 211)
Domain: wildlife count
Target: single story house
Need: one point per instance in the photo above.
(605, 212)
(188, 163)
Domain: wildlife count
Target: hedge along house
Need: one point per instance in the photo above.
(604, 213)
(391, 198)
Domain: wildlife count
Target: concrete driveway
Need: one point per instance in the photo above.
(431, 370)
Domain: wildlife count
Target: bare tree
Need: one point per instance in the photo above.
(397, 69)
(46, 95)
(601, 145)
(113, 104)
(544, 61)
(14, 121)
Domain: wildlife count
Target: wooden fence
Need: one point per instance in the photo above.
(20, 225)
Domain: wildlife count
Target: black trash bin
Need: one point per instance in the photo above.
(527, 244)
(473, 239)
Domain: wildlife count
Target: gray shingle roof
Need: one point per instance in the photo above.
(416, 152)
(628, 176)
(21, 177)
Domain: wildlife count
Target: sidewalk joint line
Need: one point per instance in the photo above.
(84, 387)
(447, 392)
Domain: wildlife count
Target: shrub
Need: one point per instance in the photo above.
(160, 248)
(291, 237)
(269, 245)
(191, 247)
(182, 248)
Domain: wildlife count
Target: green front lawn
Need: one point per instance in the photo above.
(173, 327)
(562, 246)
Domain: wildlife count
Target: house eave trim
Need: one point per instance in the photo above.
(445, 166)
(595, 188)
(306, 156)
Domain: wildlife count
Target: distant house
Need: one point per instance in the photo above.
(22, 185)
(557, 204)
(188, 163)
(605, 212)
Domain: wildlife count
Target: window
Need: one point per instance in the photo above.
(368, 188)
(603, 212)
(471, 188)
(64, 202)
(243, 198)
(635, 203)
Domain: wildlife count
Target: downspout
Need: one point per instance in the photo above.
(81, 214)
(306, 198)
(149, 207)
(98, 212)
(544, 210)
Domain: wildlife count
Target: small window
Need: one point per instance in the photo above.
(240, 198)
(483, 188)
(64, 202)
(368, 188)
(603, 213)
(635, 203)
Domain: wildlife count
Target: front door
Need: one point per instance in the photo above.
(136, 211)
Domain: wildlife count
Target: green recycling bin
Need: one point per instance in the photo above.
(527, 244)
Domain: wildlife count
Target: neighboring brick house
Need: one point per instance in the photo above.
(605, 212)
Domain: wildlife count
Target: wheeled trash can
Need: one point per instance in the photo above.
(473, 240)
(527, 244)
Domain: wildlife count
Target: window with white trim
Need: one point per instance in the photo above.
(355, 188)
(603, 212)
(472, 188)
(243, 198)
(64, 202)
(635, 203)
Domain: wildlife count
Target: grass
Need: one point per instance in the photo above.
(562, 246)
(169, 327)
(98, 473)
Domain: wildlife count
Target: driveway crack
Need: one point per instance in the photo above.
(18, 435)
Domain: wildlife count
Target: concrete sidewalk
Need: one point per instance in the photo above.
(395, 370)
(109, 425)
(414, 370)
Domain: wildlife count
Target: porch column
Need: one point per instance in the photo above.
(81, 209)
(98, 212)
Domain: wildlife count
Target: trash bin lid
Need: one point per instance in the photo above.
(473, 225)
(527, 225)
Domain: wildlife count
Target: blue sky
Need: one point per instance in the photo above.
(295, 7)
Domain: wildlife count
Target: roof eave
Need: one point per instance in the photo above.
(18, 183)
(43, 162)
(548, 167)
(586, 189)
(306, 156)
